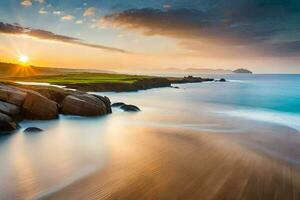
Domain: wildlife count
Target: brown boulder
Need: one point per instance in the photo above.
(83, 105)
(12, 95)
(38, 107)
(106, 101)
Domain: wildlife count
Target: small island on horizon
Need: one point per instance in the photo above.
(242, 71)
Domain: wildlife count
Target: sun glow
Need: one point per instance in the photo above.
(24, 59)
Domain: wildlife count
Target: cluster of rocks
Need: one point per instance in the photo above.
(17, 104)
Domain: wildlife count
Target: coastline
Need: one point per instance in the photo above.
(142, 84)
(162, 150)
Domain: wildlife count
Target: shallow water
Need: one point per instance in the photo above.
(268, 106)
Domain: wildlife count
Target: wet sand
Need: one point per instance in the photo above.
(167, 164)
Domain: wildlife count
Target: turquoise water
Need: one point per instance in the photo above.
(275, 92)
(267, 106)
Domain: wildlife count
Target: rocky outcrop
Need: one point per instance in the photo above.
(7, 124)
(38, 107)
(18, 103)
(130, 108)
(83, 105)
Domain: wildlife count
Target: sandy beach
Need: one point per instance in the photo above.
(171, 164)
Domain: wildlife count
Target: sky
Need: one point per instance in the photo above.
(153, 35)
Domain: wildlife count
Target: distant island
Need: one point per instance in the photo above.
(242, 71)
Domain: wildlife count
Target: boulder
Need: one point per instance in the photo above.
(107, 103)
(9, 109)
(7, 124)
(55, 94)
(12, 95)
(222, 80)
(83, 105)
(118, 104)
(38, 107)
(130, 108)
(32, 130)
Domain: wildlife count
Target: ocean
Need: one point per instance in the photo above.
(259, 110)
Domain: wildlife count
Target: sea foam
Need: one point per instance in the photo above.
(281, 118)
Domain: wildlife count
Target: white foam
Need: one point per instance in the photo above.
(236, 81)
(281, 118)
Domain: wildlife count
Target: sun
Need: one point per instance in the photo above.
(24, 59)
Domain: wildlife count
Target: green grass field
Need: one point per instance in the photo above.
(81, 78)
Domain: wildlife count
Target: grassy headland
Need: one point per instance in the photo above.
(87, 80)
(81, 78)
(97, 82)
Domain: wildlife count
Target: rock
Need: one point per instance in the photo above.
(38, 107)
(9, 109)
(83, 105)
(12, 95)
(7, 124)
(107, 103)
(55, 94)
(32, 130)
(222, 80)
(130, 108)
(118, 104)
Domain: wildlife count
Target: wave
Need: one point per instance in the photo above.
(282, 118)
(237, 81)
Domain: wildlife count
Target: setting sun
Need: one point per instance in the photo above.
(23, 59)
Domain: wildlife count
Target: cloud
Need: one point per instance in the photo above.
(89, 11)
(26, 3)
(68, 17)
(79, 22)
(42, 11)
(57, 12)
(264, 26)
(167, 6)
(16, 29)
